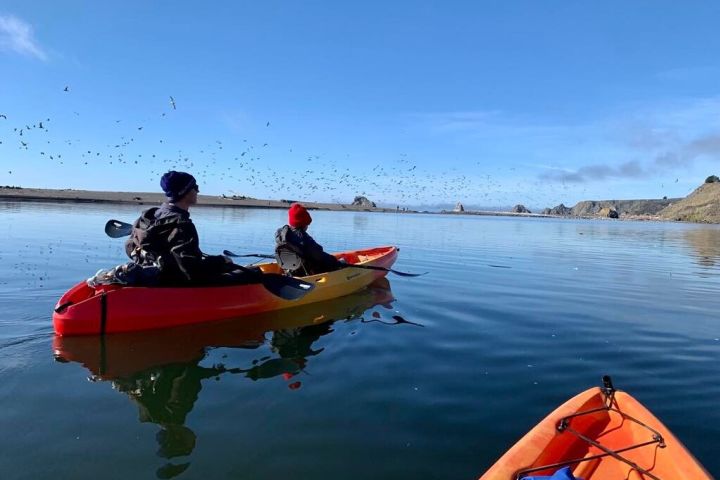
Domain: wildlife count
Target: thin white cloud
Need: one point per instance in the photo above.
(633, 142)
(17, 36)
(458, 121)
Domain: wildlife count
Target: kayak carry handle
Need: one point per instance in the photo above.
(61, 308)
(607, 387)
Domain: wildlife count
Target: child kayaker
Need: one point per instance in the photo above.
(294, 237)
(165, 236)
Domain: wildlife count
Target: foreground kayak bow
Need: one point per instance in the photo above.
(600, 434)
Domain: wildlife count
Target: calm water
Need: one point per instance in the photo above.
(516, 316)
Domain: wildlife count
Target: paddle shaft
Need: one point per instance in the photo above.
(116, 229)
(348, 265)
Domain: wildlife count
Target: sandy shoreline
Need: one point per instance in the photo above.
(151, 198)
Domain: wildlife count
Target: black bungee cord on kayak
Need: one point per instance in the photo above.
(564, 425)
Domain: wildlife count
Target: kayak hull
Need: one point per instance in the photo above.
(123, 356)
(545, 444)
(114, 308)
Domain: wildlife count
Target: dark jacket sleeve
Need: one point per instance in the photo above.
(191, 262)
(314, 252)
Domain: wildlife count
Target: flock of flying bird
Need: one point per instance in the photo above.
(246, 168)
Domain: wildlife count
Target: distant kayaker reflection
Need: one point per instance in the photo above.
(165, 396)
(293, 347)
(162, 372)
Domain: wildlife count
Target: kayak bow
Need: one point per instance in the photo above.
(599, 434)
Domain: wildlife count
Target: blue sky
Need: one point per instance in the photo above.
(488, 103)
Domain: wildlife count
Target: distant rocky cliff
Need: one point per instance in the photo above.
(590, 208)
(702, 205)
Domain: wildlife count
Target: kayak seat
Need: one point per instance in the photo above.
(290, 261)
(349, 257)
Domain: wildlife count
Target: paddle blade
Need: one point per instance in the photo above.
(117, 229)
(228, 253)
(383, 269)
(287, 288)
(406, 274)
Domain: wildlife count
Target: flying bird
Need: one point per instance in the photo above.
(172, 102)
(66, 89)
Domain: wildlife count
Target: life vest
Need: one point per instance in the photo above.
(137, 246)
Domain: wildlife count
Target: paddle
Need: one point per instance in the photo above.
(228, 253)
(117, 229)
(366, 267)
(287, 288)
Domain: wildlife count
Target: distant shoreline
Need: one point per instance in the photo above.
(152, 198)
(69, 195)
(16, 194)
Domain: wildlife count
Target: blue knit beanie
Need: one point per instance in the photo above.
(177, 184)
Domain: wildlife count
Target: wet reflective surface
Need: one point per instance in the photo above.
(162, 372)
(429, 377)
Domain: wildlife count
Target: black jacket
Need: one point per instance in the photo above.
(314, 258)
(167, 236)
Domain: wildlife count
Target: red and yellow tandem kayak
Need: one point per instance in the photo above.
(600, 434)
(84, 310)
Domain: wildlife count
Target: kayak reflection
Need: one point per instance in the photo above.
(161, 371)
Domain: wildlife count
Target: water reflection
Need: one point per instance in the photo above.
(161, 371)
(706, 244)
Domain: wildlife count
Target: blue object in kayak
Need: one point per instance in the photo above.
(562, 474)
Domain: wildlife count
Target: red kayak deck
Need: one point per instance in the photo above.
(115, 308)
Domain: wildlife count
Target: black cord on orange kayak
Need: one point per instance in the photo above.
(349, 265)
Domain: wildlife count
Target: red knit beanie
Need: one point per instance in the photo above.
(298, 216)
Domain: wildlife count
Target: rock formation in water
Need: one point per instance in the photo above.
(520, 209)
(361, 201)
(558, 210)
(459, 208)
(608, 212)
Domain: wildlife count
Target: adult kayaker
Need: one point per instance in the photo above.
(165, 236)
(294, 236)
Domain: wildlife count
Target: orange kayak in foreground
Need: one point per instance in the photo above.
(84, 310)
(600, 434)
